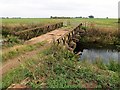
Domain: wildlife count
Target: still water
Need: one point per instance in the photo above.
(92, 53)
(98, 54)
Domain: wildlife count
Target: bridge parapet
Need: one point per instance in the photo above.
(70, 37)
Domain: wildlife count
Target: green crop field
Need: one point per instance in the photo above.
(98, 21)
(25, 23)
(27, 20)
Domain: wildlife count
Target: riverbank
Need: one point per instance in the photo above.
(56, 67)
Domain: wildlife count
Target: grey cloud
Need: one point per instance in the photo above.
(46, 8)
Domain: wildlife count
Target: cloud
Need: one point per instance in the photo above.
(46, 8)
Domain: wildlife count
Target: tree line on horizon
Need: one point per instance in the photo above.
(55, 17)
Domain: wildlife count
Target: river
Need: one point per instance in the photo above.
(92, 53)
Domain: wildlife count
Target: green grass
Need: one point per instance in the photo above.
(100, 22)
(28, 20)
(10, 26)
(14, 77)
(97, 21)
(58, 68)
(18, 51)
(101, 31)
(25, 23)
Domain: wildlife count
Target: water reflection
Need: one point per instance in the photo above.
(96, 54)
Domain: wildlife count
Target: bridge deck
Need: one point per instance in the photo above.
(50, 36)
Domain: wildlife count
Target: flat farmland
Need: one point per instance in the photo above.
(39, 64)
(25, 23)
(33, 22)
(17, 25)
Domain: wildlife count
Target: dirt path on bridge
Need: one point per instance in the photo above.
(12, 63)
(48, 36)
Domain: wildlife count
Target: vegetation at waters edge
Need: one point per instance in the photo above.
(100, 35)
(56, 67)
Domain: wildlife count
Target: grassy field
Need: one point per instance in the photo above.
(24, 23)
(99, 21)
(57, 67)
(27, 21)
(14, 25)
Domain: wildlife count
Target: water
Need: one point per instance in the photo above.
(98, 54)
(94, 52)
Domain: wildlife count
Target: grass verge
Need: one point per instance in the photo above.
(56, 67)
(17, 51)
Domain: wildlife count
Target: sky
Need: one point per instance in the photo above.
(67, 8)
